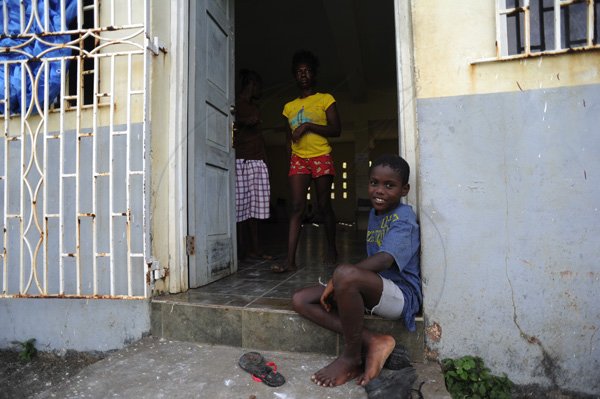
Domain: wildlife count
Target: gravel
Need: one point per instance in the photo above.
(27, 378)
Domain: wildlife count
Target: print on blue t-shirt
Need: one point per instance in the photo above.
(397, 233)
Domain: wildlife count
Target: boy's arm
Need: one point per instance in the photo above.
(377, 263)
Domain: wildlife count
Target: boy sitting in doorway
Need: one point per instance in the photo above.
(386, 283)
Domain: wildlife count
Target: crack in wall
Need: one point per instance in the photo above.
(592, 340)
(548, 364)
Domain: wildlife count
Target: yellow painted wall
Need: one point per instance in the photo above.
(450, 37)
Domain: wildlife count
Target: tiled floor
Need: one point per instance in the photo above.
(252, 308)
(256, 286)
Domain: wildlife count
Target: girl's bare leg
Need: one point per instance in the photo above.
(323, 192)
(299, 187)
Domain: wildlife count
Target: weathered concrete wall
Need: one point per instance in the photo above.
(78, 324)
(508, 160)
(509, 211)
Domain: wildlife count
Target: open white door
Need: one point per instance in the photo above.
(211, 159)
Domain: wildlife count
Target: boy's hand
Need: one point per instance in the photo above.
(327, 292)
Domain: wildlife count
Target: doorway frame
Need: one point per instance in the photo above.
(175, 261)
(178, 278)
(407, 97)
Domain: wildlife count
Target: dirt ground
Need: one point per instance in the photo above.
(25, 379)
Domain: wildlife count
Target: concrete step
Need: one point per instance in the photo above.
(263, 328)
(279, 331)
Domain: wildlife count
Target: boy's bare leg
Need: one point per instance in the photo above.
(350, 307)
(351, 285)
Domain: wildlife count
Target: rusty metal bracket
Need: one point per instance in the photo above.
(190, 245)
(156, 45)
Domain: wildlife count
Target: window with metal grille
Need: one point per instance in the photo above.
(530, 27)
(85, 73)
(45, 54)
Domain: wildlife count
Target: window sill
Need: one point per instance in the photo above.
(537, 55)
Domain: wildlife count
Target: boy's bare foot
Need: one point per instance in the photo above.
(379, 349)
(340, 371)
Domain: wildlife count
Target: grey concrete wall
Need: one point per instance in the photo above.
(78, 324)
(510, 218)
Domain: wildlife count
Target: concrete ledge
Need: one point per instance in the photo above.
(77, 324)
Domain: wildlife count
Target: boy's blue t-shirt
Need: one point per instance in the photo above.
(397, 233)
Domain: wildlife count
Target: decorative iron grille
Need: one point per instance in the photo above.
(73, 103)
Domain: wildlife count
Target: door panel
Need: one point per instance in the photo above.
(211, 159)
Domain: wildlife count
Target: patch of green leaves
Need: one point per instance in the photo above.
(28, 350)
(468, 378)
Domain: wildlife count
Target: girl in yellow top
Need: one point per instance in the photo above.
(312, 118)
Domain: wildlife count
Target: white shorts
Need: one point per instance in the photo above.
(391, 303)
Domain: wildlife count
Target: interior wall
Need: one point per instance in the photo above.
(382, 146)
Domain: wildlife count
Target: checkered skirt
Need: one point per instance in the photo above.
(252, 189)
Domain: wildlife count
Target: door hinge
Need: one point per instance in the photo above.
(190, 245)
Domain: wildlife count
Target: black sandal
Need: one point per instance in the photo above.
(254, 363)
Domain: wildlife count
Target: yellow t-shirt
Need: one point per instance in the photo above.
(309, 109)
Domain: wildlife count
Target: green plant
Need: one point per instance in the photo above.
(28, 350)
(468, 378)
